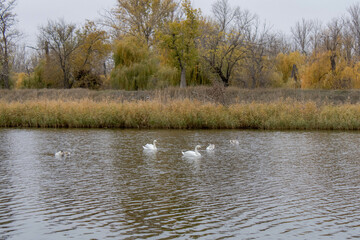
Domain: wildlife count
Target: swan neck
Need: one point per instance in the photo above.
(196, 150)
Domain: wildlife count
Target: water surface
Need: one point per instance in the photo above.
(274, 185)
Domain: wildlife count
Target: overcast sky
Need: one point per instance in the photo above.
(280, 14)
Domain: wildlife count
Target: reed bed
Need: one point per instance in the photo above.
(179, 114)
(214, 94)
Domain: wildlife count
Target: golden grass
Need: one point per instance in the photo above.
(179, 114)
(213, 94)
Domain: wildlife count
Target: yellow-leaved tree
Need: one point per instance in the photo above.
(316, 71)
(89, 59)
(319, 72)
(141, 18)
(290, 66)
(178, 39)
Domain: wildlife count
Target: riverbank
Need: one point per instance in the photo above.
(285, 114)
(216, 94)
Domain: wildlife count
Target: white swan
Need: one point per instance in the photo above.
(211, 147)
(151, 147)
(234, 142)
(62, 154)
(192, 153)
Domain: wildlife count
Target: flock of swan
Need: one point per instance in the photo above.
(152, 147)
(190, 154)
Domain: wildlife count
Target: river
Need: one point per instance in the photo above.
(273, 185)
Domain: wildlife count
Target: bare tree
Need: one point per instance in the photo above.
(224, 43)
(224, 15)
(331, 38)
(258, 41)
(301, 33)
(279, 43)
(348, 41)
(111, 23)
(7, 38)
(315, 38)
(59, 39)
(354, 23)
(21, 60)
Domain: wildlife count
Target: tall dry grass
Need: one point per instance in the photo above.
(179, 114)
(213, 94)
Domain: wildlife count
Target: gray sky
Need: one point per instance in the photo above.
(35, 13)
(280, 14)
(283, 14)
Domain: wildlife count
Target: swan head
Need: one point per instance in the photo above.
(62, 153)
(59, 153)
(197, 154)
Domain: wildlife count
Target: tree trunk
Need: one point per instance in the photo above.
(333, 62)
(294, 73)
(183, 78)
(253, 82)
(224, 79)
(6, 74)
(66, 80)
(5, 70)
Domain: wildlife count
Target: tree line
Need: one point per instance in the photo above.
(149, 44)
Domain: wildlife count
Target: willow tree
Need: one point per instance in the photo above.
(7, 38)
(134, 65)
(179, 37)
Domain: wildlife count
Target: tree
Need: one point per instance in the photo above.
(301, 34)
(224, 43)
(288, 65)
(133, 65)
(348, 42)
(140, 18)
(316, 71)
(315, 37)
(137, 68)
(332, 40)
(8, 35)
(256, 60)
(179, 37)
(60, 40)
(354, 23)
(90, 56)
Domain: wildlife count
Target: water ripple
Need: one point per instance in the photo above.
(274, 185)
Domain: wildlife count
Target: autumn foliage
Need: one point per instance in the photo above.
(151, 44)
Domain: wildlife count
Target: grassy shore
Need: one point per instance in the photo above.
(178, 114)
(215, 94)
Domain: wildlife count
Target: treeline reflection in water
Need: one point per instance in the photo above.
(302, 185)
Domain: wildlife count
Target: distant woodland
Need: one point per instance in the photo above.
(154, 44)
